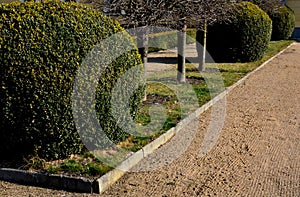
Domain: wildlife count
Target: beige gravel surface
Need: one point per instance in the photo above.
(257, 153)
(169, 58)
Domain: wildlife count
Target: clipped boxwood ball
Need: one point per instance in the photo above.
(283, 19)
(42, 46)
(244, 37)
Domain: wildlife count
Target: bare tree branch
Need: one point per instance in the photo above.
(170, 13)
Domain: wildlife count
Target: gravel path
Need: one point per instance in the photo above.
(257, 153)
(169, 58)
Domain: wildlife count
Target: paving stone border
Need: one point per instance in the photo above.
(52, 181)
(79, 184)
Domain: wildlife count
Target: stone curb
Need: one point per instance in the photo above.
(79, 184)
(51, 181)
(111, 177)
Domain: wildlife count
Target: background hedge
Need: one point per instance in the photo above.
(283, 19)
(41, 47)
(242, 38)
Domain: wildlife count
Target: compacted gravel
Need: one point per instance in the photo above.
(257, 152)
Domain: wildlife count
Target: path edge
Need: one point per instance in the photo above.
(114, 175)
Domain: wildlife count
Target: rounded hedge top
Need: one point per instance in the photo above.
(283, 22)
(255, 28)
(243, 37)
(41, 47)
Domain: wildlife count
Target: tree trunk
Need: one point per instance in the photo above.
(181, 35)
(142, 42)
(202, 60)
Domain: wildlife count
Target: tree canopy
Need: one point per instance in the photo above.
(169, 13)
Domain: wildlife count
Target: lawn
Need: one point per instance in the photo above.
(158, 93)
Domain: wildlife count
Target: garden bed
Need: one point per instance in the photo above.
(89, 167)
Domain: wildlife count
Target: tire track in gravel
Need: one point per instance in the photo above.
(274, 176)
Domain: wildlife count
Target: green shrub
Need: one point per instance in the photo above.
(283, 19)
(42, 45)
(243, 37)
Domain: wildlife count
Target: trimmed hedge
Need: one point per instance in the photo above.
(41, 48)
(283, 19)
(244, 37)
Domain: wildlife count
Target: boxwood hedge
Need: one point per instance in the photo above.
(243, 37)
(283, 19)
(41, 48)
